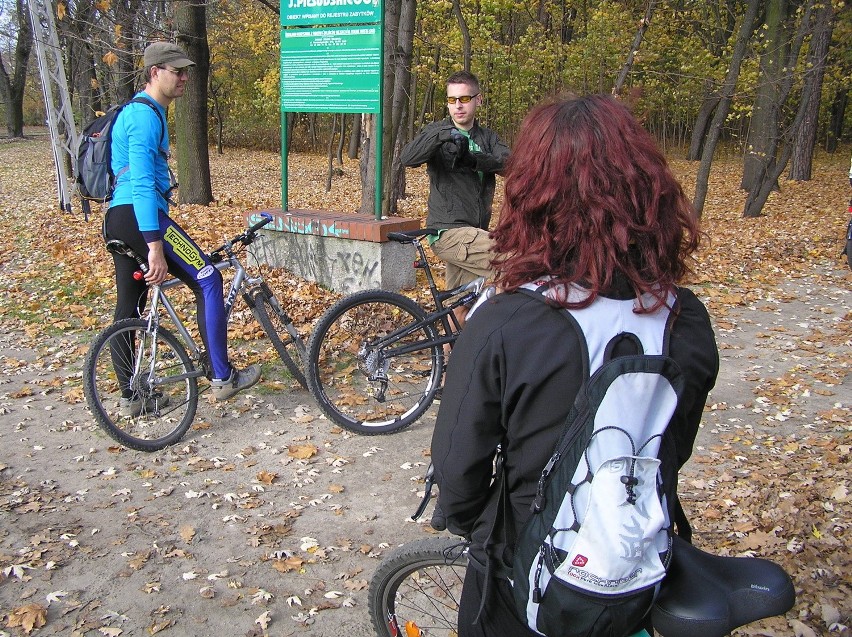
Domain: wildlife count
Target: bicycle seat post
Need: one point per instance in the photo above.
(423, 263)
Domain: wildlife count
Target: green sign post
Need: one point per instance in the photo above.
(332, 66)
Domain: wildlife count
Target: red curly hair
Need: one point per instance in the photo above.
(589, 197)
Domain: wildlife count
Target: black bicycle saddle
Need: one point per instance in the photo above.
(406, 236)
(706, 595)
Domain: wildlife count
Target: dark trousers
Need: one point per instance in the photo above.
(498, 617)
(187, 262)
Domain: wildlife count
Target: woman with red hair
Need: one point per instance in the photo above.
(593, 219)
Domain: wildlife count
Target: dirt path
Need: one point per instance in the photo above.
(231, 533)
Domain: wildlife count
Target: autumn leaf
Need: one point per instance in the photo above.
(187, 532)
(302, 452)
(293, 563)
(355, 584)
(155, 628)
(109, 57)
(411, 629)
(264, 620)
(266, 477)
(28, 617)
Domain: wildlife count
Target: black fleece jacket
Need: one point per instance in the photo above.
(458, 195)
(514, 373)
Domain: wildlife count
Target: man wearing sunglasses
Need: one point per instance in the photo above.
(139, 216)
(462, 159)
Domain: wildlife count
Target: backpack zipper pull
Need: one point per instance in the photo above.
(539, 500)
(536, 593)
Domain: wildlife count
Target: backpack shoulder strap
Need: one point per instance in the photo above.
(143, 100)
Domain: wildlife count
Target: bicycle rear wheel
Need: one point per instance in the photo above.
(154, 374)
(419, 585)
(281, 331)
(374, 389)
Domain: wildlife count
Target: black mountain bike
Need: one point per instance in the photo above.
(376, 358)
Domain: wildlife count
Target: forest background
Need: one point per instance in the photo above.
(765, 79)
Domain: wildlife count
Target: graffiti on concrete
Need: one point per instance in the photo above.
(346, 270)
(302, 225)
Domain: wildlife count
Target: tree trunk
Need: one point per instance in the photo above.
(763, 132)
(805, 142)
(726, 94)
(368, 165)
(702, 122)
(766, 165)
(757, 196)
(330, 153)
(191, 109)
(634, 48)
(835, 123)
(12, 89)
(342, 140)
(354, 137)
(467, 48)
(126, 75)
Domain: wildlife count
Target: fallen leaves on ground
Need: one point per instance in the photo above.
(772, 481)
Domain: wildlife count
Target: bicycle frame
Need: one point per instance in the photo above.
(159, 298)
(444, 315)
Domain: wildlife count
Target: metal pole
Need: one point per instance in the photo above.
(284, 186)
(380, 128)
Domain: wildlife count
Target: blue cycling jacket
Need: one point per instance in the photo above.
(136, 144)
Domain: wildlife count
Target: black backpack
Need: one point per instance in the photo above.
(95, 179)
(590, 558)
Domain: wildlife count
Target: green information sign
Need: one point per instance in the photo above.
(334, 70)
(331, 62)
(316, 12)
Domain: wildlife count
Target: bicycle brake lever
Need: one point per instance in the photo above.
(427, 492)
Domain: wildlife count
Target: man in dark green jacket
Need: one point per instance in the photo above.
(462, 159)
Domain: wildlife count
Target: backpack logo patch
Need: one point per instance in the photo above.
(579, 561)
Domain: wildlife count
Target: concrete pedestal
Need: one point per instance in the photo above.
(344, 252)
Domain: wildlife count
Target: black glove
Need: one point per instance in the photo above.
(439, 520)
(456, 150)
(446, 134)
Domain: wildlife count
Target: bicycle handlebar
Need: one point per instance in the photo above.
(244, 238)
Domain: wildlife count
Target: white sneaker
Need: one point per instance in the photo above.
(240, 379)
(135, 407)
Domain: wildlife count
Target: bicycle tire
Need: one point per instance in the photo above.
(174, 403)
(283, 334)
(420, 582)
(340, 367)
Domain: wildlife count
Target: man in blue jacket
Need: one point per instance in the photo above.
(139, 216)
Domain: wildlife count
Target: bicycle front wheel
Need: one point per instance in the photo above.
(141, 386)
(419, 586)
(371, 367)
(283, 334)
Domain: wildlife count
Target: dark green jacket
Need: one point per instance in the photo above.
(458, 196)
